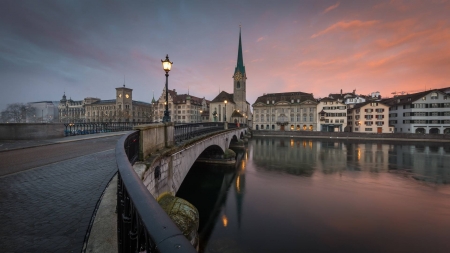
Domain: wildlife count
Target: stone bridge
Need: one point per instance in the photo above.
(164, 164)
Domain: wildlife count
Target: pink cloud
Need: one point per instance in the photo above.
(260, 39)
(346, 26)
(332, 7)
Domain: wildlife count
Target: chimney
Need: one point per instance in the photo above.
(341, 92)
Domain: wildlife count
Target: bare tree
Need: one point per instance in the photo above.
(18, 113)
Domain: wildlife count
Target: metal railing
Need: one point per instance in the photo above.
(188, 131)
(99, 127)
(142, 225)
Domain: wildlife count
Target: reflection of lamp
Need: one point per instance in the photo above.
(224, 220)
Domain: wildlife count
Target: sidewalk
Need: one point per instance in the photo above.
(7, 145)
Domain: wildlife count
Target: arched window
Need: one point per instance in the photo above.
(238, 85)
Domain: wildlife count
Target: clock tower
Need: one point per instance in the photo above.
(124, 102)
(240, 81)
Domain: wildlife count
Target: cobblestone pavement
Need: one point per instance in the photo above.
(49, 208)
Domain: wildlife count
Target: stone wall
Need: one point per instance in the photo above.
(166, 172)
(153, 137)
(31, 131)
(397, 136)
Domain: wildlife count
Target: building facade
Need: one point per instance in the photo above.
(183, 108)
(121, 109)
(369, 117)
(425, 112)
(290, 111)
(43, 111)
(233, 107)
(332, 115)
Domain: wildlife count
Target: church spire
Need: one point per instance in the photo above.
(240, 59)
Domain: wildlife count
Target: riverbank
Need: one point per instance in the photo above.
(355, 136)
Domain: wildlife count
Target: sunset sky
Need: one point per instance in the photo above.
(86, 47)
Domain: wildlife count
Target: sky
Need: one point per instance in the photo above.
(87, 48)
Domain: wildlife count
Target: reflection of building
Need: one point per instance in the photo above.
(121, 109)
(332, 115)
(423, 112)
(293, 156)
(236, 109)
(292, 111)
(183, 108)
(369, 117)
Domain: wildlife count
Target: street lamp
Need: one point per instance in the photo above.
(225, 116)
(167, 65)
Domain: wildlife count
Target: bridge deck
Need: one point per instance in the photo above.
(49, 193)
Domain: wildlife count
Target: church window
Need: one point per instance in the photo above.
(238, 85)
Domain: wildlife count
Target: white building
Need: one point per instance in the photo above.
(332, 115)
(424, 112)
(289, 111)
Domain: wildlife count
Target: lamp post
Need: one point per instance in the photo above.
(225, 116)
(167, 65)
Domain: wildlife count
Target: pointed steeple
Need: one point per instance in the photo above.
(240, 59)
(153, 99)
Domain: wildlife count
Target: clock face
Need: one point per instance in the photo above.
(238, 76)
(120, 95)
(127, 96)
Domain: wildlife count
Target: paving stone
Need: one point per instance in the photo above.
(48, 209)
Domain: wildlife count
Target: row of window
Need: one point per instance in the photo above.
(367, 123)
(421, 105)
(335, 121)
(365, 129)
(305, 127)
(425, 122)
(311, 118)
(335, 108)
(284, 110)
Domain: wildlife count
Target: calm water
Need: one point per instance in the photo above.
(299, 195)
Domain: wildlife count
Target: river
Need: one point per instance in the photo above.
(311, 195)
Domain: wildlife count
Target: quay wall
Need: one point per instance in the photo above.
(351, 135)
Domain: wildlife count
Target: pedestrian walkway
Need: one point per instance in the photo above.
(49, 209)
(6, 145)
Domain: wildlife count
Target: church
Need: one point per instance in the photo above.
(233, 107)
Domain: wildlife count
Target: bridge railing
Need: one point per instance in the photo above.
(142, 225)
(188, 131)
(99, 127)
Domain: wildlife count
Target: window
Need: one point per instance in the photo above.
(424, 98)
(434, 95)
(262, 126)
(292, 127)
(368, 129)
(311, 117)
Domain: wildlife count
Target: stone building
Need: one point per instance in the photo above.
(369, 117)
(236, 109)
(183, 108)
(121, 109)
(289, 111)
(332, 115)
(422, 112)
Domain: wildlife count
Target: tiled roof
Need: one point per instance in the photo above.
(108, 101)
(356, 106)
(285, 96)
(222, 97)
(408, 98)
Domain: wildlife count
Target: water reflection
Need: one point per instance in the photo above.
(301, 195)
(305, 157)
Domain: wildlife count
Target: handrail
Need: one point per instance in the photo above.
(188, 131)
(81, 128)
(142, 225)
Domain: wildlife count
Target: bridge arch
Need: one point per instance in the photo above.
(174, 165)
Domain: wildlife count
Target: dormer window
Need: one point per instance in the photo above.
(298, 100)
(267, 101)
(273, 101)
(324, 103)
(424, 98)
(292, 100)
(434, 95)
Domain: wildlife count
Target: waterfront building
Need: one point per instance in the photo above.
(183, 108)
(369, 117)
(233, 107)
(288, 111)
(121, 109)
(43, 111)
(426, 112)
(332, 115)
